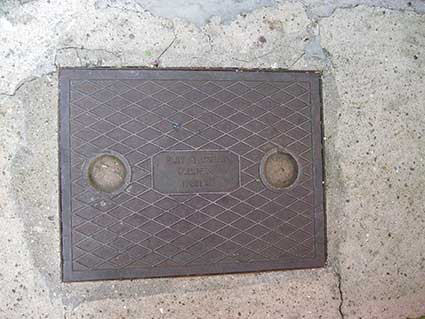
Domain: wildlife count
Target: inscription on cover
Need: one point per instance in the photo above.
(195, 172)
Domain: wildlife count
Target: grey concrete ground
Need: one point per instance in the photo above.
(372, 54)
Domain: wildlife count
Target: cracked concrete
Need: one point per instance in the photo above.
(380, 81)
(372, 60)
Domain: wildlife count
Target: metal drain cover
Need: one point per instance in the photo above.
(185, 172)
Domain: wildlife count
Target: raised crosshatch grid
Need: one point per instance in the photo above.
(141, 232)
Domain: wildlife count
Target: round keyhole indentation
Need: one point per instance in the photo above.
(107, 173)
(278, 169)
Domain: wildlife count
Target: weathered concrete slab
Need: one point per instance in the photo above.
(378, 66)
(373, 66)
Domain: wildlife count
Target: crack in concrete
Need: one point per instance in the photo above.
(242, 60)
(90, 50)
(307, 7)
(296, 60)
(157, 60)
(314, 49)
(373, 6)
(345, 7)
(209, 39)
(330, 9)
(311, 8)
(326, 59)
(341, 295)
(256, 58)
(20, 85)
(78, 50)
(137, 7)
(197, 12)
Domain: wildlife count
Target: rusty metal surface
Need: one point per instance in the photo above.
(193, 201)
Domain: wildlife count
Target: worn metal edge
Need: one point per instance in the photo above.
(64, 174)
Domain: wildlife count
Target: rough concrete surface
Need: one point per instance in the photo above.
(372, 57)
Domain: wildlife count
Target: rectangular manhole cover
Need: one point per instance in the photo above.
(184, 172)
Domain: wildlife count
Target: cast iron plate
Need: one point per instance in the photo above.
(193, 201)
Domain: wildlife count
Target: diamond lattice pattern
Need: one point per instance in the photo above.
(141, 227)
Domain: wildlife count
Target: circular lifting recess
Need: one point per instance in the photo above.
(278, 169)
(107, 173)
